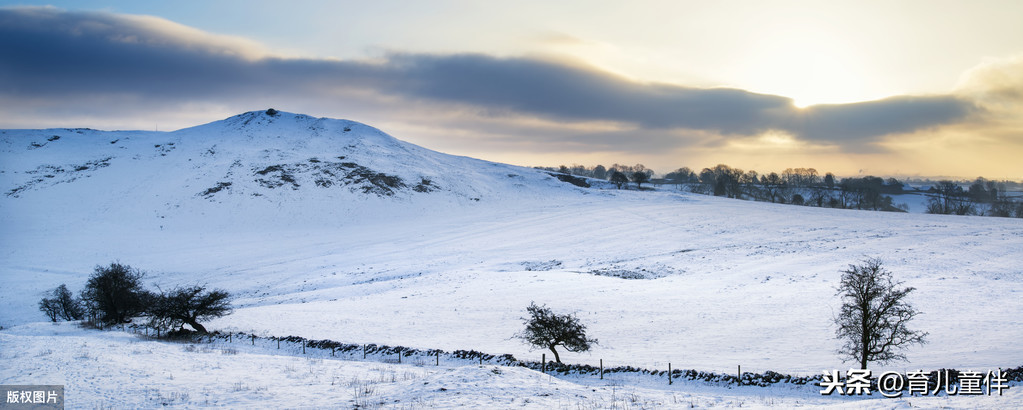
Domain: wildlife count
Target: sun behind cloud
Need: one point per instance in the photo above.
(138, 71)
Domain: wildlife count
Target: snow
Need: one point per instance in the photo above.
(118, 369)
(729, 282)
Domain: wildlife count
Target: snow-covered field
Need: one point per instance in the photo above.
(452, 264)
(122, 370)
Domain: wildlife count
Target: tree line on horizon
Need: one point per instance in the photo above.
(806, 186)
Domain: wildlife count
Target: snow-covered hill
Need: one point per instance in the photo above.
(263, 167)
(361, 249)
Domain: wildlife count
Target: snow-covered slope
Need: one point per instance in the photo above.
(266, 168)
(701, 282)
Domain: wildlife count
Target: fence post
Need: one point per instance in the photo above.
(331, 352)
(438, 358)
(740, 375)
(253, 340)
(669, 373)
(481, 359)
(303, 347)
(543, 363)
(278, 342)
(229, 337)
(601, 369)
(364, 352)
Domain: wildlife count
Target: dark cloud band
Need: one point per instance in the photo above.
(54, 54)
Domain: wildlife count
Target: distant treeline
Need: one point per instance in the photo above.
(805, 186)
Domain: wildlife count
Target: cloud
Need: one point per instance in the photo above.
(577, 93)
(868, 121)
(60, 59)
(558, 38)
(51, 52)
(995, 83)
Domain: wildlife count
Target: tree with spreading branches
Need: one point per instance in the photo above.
(188, 305)
(546, 329)
(619, 179)
(639, 177)
(874, 315)
(115, 294)
(63, 305)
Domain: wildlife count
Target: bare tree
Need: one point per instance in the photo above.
(545, 330)
(188, 305)
(639, 177)
(829, 180)
(800, 177)
(63, 305)
(115, 293)
(874, 315)
(619, 179)
(949, 198)
(680, 176)
(50, 308)
(773, 186)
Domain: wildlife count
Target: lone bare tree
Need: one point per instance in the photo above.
(874, 315)
(545, 330)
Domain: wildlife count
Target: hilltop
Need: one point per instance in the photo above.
(274, 167)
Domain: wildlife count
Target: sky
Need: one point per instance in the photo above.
(894, 88)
